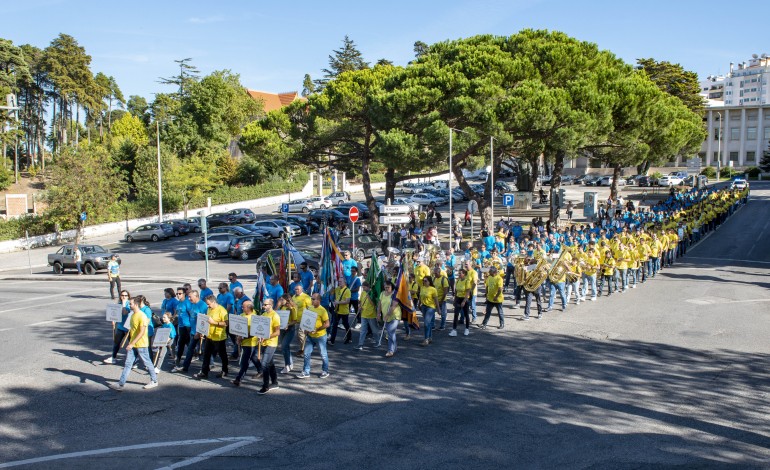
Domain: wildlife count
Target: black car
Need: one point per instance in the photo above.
(243, 216)
(195, 224)
(363, 210)
(220, 218)
(306, 226)
(312, 259)
(646, 181)
(330, 215)
(365, 243)
(181, 227)
(249, 246)
(236, 230)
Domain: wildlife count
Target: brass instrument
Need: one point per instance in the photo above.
(406, 260)
(431, 251)
(538, 275)
(519, 271)
(560, 268)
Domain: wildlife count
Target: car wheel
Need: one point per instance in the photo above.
(154, 238)
(242, 221)
(57, 268)
(176, 233)
(244, 255)
(337, 203)
(213, 253)
(90, 269)
(305, 210)
(129, 239)
(197, 230)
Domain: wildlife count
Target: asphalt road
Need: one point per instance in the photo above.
(673, 373)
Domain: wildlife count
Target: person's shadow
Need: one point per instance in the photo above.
(83, 355)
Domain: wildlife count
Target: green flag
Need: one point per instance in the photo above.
(374, 278)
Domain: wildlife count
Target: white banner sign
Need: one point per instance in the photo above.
(114, 312)
(239, 325)
(162, 335)
(308, 321)
(260, 327)
(202, 324)
(394, 219)
(284, 315)
(399, 209)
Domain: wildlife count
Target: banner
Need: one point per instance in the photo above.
(260, 326)
(284, 315)
(162, 335)
(202, 324)
(239, 325)
(114, 312)
(308, 321)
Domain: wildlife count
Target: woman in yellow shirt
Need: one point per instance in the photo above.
(428, 303)
(608, 269)
(368, 315)
(463, 294)
(138, 344)
(389, 311)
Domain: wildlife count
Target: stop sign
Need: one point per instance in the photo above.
(353, 214)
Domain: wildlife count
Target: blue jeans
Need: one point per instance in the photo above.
(310, 344)
(429, 318)
(248, 354)
(367, 324)
(574, 287)
(391, 328)
(655, 265)
(131, 354)
(288, 337)
(560, 287)
(633, 275)
(589, 279)
(623, 273)
(442, 311)
(473, 307)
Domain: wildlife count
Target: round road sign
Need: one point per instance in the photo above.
(353, 214)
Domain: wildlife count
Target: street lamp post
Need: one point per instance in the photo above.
(160, 179)
(451, 216)
(719, 146)
(492, 181)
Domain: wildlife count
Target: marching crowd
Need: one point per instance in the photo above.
(623, 248)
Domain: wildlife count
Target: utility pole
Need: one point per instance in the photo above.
(160, 179)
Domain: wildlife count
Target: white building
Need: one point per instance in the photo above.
(738, 104)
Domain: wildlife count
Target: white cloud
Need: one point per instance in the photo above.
(206, 20)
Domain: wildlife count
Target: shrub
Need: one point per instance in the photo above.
(657, 175)
(753, 171)
(5, 178)
(709, 172)
(727, 172)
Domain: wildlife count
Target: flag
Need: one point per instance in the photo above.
(260, 293)
(374, 278)
(331, 262)
(404, 297)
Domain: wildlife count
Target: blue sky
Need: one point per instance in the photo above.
(273, 44)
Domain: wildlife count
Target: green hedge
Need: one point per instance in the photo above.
(753, 171)
(709, 172)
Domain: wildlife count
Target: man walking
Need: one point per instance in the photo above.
(113, 275)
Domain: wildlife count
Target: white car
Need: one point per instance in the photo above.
(671, 180)
(218, 244)
(300, 205)
(426, 199)
(739, 183)
(402, 201)
(607, 181)
(320, 202)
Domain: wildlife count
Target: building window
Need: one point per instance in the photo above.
(716, 133)
(735, 133)
(751, 133)
(751, 157)
(734, 156)
(715, 158)
(751, 116)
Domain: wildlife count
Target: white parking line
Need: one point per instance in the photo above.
(729, 259)
(237, 442)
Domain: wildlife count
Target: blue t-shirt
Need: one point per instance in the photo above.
(489, 242)
(238, 305)
(124, 317)
(196, 309)
(173, 330)
(183, 313)
(205, 293)
(293, 285)
(226, 300)
(168, 305)
(307, 279)
(150, 329)
(235, 284)
(355, 288)
(274, 292)
(347, 266)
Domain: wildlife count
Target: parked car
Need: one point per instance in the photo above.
(243, 216)
(459, 191)
(440, 184)
(437, 194)
(181, 227)
(671, 179)
(330, 215)
(254, 229)
(238, 230)
(363, 210)
(607, 181)
(275, 227)
(365, 243)
(220, 218)
(412, 188)
(195, 224)
(218, 244)
(582, 179)
(739, 183)
(299, 205)
(426, 199)
(249, 246)
(445, 194)
(311, 257)
(92, 258)
(701, 180)
(320, 202)
(402, 201)
(339, 197)
(152, 232)
(646, 181)
(567, 180)
(306, 226)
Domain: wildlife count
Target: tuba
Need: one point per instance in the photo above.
(560, 268)
(519, 271)
(431, 252)
(537, 276)
(406, 260)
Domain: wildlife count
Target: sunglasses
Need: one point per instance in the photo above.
(180, 293)
(123, 295)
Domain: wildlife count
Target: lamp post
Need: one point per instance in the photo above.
(492, 181)
(719, 145)
(451, 216)
(160, 179)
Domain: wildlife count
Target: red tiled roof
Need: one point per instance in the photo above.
(273, 101)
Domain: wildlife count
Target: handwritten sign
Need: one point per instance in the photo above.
(202, 324)
(308, 321)
(162, 335)
(260, 327)
(114, 312)
(284, 315)
(239, 325)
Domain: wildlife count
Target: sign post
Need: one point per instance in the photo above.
(508, 201)
(353, 216)
(693, 169)
(285, 211)
(205, 231)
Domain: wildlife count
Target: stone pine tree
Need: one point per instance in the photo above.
(344, 59)
(764, 164)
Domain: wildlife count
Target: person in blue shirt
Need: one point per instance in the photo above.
(489, 241)
(205, 291)
(144, 306)
(295, 281)
(306, 276)
(355, 290)
(169, 306)
(196, 307)
(234, 282)
(182, 317)
(120, 331)
(240, 298)
(274, 290)
(166, 323)
(347, 266)
(225, 298)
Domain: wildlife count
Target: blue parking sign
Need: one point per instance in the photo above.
(507, 200)
(284, 208)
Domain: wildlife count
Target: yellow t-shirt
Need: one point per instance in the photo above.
(623, 258)
(323, 317)
(218, 314)
(366, 306)
(474, 276)
(608, 267)
(275, 322)
(428, 296)
(139, 322)
(341, 294)
(302, 302)
(441, 283)
(385, 302)
(420, 272)
(494, 289)
(251, 341)
(591, 265)
(461, 287)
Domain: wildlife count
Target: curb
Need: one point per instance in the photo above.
(94, 279)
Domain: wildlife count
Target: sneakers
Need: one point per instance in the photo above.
(323, 375)
(442, 328)
(222, 375)
(236, 382)
(358, 348)
(303, 375)
(549, 309)
(285, 370)
(157, 370)
(274, 386)
(150, 385)
(501, 326)
(258, 375)
(178, 369)
(593, 298)
(524, 318)
(425, 342)
(117, 386)
(453, 332)
(109, 360)
(483, 326)
(515, 305)
(200, 375)
(466, 332)
(389, 354)
(263, 390)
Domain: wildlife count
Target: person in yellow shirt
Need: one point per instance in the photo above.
(248, 345)
(389, 311)
(643, 251)
(420, 271)
(138, 344)
(441, 283)
(317, 338)
(590, 265)
(574, 286)
(428, 303)
(474, 276)
(268, 346)
(341, 310)
(608, 268)
(655, 249)
(368, 311)
(494, 285)
(633, 265)
(216, 340)
(463, 289)
(297, 304)
(623, 258)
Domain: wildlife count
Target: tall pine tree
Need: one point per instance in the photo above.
(345, 59)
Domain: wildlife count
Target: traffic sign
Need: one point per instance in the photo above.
(473, 206)
(395, 209)
(353, 214)
(394, 219)
(284, 208)
(508, 200)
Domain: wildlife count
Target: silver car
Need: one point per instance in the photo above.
(300, 205)
(152, 232)
(320, 202)
(218, 244)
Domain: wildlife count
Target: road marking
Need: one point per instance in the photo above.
(240, 441)
(46, 322)
(36, 299)
(211, 453)
(24, 308)
(711, 301)
(729, 259)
